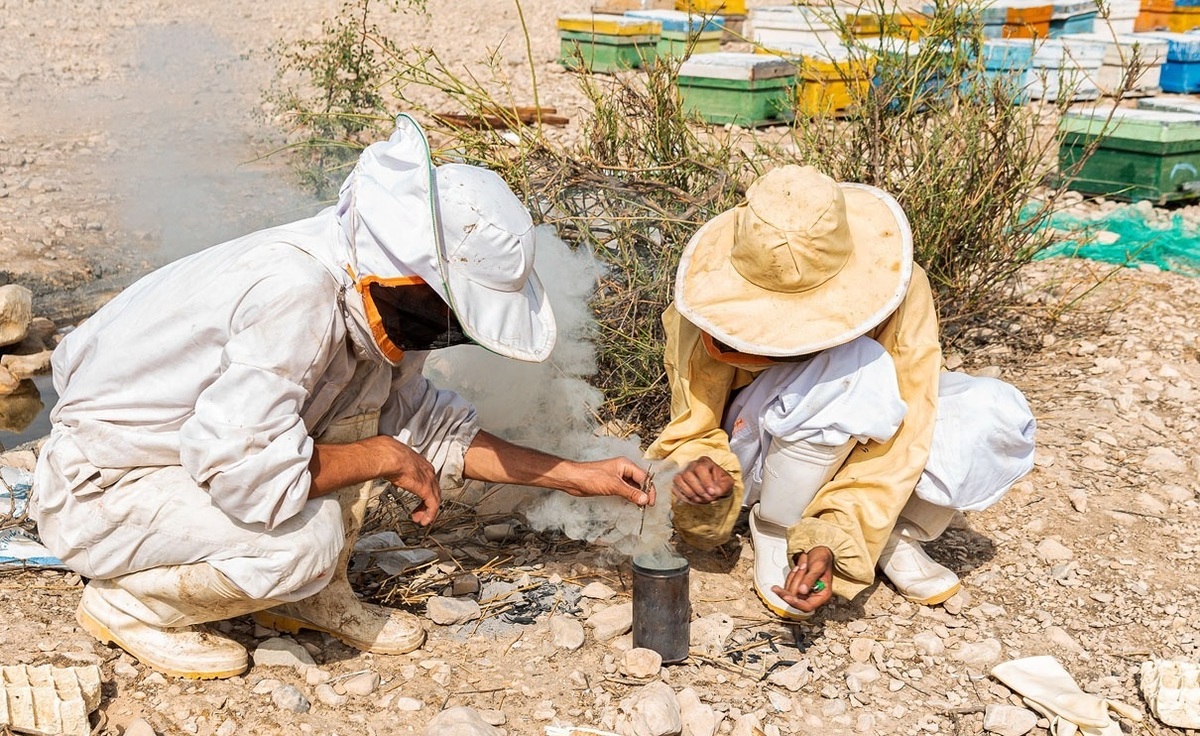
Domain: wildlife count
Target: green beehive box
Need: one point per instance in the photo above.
(738, 88)
(672, 44)
(605, 54)
(1140, 155)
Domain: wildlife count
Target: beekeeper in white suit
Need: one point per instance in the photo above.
(806, 377)
(220, 422)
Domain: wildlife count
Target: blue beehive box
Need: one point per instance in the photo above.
(1181, 72)
(1072, 16)
(684, 33)
(1006, 63)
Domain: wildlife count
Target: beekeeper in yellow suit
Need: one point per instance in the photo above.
(221, 422)
(807, 384)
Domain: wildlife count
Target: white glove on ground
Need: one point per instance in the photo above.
(1050, 690)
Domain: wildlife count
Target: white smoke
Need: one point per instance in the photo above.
(551, 406)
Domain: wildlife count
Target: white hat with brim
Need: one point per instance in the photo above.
(804, 264)
(487, 264)
(458, 228)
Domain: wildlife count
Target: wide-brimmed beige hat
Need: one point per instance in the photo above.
(805, 263)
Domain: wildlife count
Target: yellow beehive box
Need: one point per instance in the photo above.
(618, 7)
(608, 25)
(1183, 19)
(712, 7)
(830, 79)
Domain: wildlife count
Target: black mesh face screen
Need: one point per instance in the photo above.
(415, 317)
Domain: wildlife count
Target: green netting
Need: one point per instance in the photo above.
(1129, 236)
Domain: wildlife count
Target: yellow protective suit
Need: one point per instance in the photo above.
(854, 513)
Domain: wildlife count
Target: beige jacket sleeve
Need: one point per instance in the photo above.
(854, 513)
(700, 389)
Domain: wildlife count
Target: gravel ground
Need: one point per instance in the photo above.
(131, 137)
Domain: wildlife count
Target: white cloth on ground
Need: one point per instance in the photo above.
(983, 430)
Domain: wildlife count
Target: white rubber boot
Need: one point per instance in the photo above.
(793, 473)
(151, 613)
(913, 573)
(337, 611)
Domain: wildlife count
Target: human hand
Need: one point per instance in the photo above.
(702, 481)
(409, 471)
(809, 584)
(616, 476)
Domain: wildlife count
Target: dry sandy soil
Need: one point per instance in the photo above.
(129, 137)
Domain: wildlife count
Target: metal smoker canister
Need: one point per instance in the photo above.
(662, 608)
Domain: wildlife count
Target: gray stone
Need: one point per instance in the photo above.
(708, 634)
(125, 670)
(328, 696)
(407, 705)
(567, 633)
(793, 678)
(16, 312)
(364, 683)
(288, 697)
(449, 611)
(460, 721)
(598, 591)
(1052, 550)
(280, 652)
(698, 718)
(140, 727)
(978, 654)
(1157, 458)
(747, 725)
(653, 711)
(27, 366)
(1058, 636)
(1008, 720)
(641, 663)
(612, 621)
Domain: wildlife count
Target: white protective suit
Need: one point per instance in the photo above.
(188, 404)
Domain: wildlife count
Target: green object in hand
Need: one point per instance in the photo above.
(818, 586)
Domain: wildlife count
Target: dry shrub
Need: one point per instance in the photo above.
(964, 161)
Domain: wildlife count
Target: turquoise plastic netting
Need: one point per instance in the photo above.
(1130, 236)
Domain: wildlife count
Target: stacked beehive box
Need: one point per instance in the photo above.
(1006, 64)
(830, 79)
(1139, 154)
(1065, 69)
(1181, 72)
(1153, 15)
(1119, 53)
(1017, 19)
(606, 43)
(738, 88)
(910, 69)
(1120, 18)
(684, 33)
(734, 12)
(1072, 16)
(776, 26)
(620, 7)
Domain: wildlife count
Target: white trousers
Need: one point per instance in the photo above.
(982, 438)
(151, 517)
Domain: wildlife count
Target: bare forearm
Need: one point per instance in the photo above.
(337, 466)
(492, 459)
